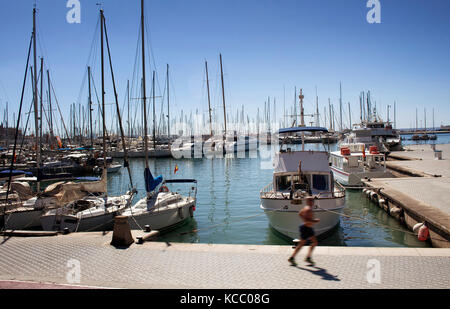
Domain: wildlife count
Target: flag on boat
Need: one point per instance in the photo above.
(364, 151)
(176, 169)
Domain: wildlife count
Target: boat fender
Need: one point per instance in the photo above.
(381, 202)
(163, 189)
(395, 212)
(373, 196)
(423, 233)
(416, 227)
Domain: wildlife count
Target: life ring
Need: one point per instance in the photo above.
(163, 189)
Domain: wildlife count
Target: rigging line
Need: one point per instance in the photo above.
(17, 130)
(92, 54)
(59, 110)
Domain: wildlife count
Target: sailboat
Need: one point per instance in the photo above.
(161, 208)
(94, 211)
(19, 213)
(297, 176)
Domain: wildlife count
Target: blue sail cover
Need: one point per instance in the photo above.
(150, 182)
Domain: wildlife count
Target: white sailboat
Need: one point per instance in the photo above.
(299, 175)
(160, 208)
(87, 206)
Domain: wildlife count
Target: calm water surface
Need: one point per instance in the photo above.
(228, 202)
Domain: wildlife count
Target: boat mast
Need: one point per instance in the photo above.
(223, 96)
(143, 85)
(302, 119)
(154, 113)
(209, 98)
(317, 109)
(90, 107)
(168, 105)
(103, 90)
(50, 108)
(340, 107)
(350, 115)
(35, 100)
(40, 100)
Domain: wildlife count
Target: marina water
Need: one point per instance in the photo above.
(228, 202)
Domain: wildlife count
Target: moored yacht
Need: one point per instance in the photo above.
(298, 175)
(353, 162)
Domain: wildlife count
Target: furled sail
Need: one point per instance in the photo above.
(150, 182)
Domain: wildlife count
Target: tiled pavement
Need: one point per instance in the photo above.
(198, 266)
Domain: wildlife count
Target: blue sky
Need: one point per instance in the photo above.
(267, 46)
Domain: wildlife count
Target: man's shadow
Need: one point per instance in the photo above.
(321, 272)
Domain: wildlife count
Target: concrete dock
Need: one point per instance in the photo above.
(424, 194)
(88, 260)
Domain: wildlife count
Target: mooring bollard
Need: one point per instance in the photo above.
(122, 233)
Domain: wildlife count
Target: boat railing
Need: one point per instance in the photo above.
(267, 191)
(337, 192)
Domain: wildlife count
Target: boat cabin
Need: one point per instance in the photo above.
(355, 157)
(302, 171)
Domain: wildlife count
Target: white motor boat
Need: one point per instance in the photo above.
(163, 209)
(353, 162)
(299, 175)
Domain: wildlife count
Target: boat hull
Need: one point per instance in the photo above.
(23, 220)
(73, 223)
(159, 219)
(355, 179)
(283, 216)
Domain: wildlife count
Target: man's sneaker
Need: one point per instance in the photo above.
(292, 261)
(309, 260)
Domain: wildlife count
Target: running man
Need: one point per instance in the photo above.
(306, 231)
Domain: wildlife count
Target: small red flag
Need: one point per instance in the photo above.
(176, 169)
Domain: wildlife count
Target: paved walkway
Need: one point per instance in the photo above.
(199, 266)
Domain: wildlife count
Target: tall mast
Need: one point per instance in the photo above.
(302, 115)
(90, 107)
(35, 100)
(302, 119)
(103, 90)
(416, 120)
(425, 118)
(209, 98)
(144, 98)
(168, 104)
(40, 100)
(284, 106)
(340, 107)
(317, 109)
(154, 113)
(128, 109)
(360, 110)
(349, 115)
(223, 96)
(50, 107)
(395, 115)
(331, 119)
